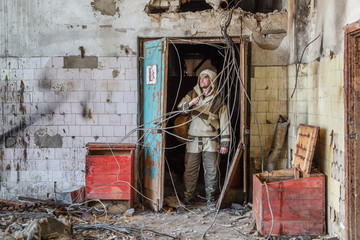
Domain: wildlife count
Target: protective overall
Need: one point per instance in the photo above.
(208, 128)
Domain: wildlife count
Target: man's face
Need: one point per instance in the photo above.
(204, 82)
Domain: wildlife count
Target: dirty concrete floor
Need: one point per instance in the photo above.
(170, 223)
(230, 223)
(42, 221)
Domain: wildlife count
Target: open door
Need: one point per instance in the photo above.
(235, 189)
(153, 104)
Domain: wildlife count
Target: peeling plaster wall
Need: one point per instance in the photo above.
(58, 28)
(318, 101)
(319, 97)
(327, 18)
(273, 56)
(102, 27)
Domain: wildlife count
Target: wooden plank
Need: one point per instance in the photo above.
(108, 160)
(108, 170)
(294, 204)
(296, 173)
(305, 147)
(242, 109)
(295, 215)
(258, 205)
(106, 179)
(109, 196)
(277, 173)
(310, 182)
(295, 193)
(230, 174)
(295, 228)
(114, 188)
(115, 191)
(107, 146)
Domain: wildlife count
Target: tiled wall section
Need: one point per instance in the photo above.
(318, 101)
(49, 113)
(269, 98)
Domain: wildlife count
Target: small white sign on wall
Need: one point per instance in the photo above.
(151, 77)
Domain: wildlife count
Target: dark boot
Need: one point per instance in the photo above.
(188, 198)
(210, 196)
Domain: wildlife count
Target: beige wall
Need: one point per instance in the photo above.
(318, 101)
(269, 98)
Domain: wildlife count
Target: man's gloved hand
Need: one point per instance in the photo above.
(224, 150)
(194, 101)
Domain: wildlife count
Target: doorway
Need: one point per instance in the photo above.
(179, 63)
(352, 129)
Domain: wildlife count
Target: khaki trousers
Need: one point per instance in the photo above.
(207, 150)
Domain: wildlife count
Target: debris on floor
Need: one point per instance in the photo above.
(47, 219)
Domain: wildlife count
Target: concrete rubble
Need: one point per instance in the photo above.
(46, 219)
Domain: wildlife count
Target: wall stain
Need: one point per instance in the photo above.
(18, 172)
(84, 109)
(21, 92)
(126, 49)
(115, 73)
(82, 51)
(47, 141)
(105, 26)
(84, 26)
(105, 7)
(89, 114)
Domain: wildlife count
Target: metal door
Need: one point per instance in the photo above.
(153, 85)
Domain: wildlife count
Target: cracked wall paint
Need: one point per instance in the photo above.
(105, 7)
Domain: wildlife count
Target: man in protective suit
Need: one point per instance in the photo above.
(208, 131)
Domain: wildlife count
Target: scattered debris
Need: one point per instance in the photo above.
(130, 212)
(47, 219)
(237, 206)
(47, 228)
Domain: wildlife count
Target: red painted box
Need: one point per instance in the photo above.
(109, 171)
(297, 198)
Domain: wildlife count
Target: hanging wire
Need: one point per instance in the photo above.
(297, 65)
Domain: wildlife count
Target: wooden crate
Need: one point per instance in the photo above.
(109, 171)
(297, 197)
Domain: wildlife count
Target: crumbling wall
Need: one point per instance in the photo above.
(69, 77)
(318, 98)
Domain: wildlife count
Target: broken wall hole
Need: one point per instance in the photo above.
(194, 6)
(253, 6)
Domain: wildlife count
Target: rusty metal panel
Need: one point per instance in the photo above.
(298, 205)
(109, 171)
(153, 108)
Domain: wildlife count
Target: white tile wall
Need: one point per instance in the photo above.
(53, 100)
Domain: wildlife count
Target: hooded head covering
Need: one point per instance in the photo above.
(213, 83)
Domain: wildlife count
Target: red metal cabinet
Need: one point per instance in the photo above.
(297, 197)
(298, 205)
(109, 171)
